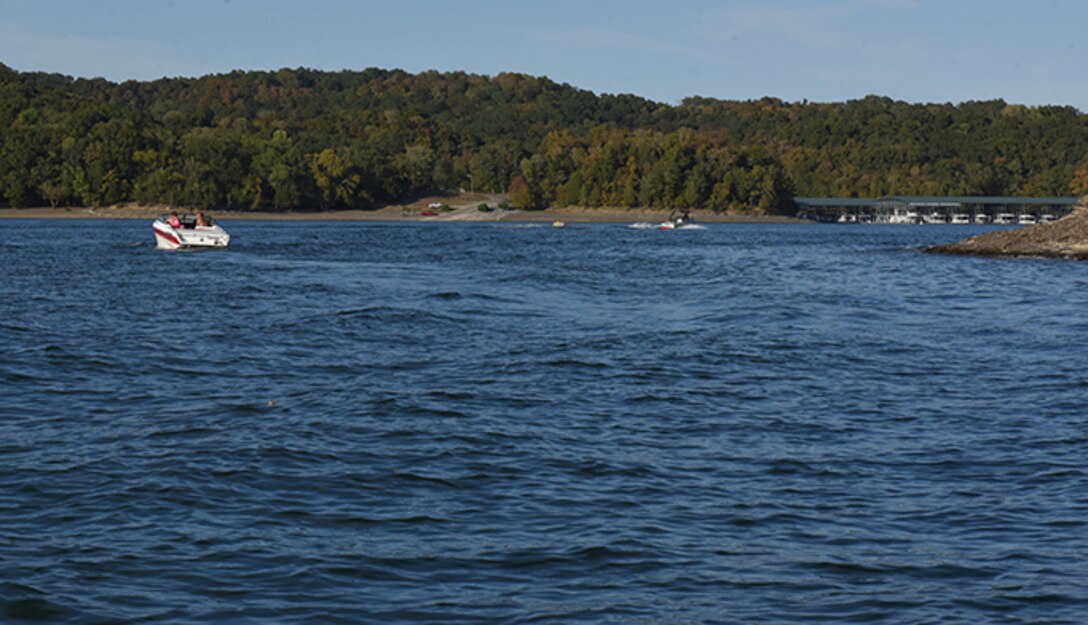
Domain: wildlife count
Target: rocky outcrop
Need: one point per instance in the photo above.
(1065, 238)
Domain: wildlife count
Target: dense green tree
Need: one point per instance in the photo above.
(23, 147)
(337, 179)
(214, 163)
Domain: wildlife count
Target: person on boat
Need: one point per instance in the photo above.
(173, 220)
(201, 221)
(679, 217)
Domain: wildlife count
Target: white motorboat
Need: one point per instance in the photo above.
(1005, 218)
(1026, 219)
(902, 216)
(678, 220)
(961, 218)
(188, 235)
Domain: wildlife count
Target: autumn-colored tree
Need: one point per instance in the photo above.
(520, 194)
(1079, 184)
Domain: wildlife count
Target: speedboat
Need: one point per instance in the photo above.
(674, 222)
(678, 221)
(189, 235)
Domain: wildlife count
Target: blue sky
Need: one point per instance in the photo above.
(820, 50)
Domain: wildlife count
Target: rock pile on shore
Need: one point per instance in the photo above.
(1065, 238)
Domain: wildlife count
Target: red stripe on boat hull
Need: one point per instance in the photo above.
(167, 236)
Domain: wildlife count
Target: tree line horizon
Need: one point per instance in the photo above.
(301, 139)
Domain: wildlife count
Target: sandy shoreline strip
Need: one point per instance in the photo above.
(399, 213)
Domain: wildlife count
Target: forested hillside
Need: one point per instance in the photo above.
(304, 139)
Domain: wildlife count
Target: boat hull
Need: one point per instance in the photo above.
(680, 224)
(200, 237)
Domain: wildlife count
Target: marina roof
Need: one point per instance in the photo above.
(933, 200)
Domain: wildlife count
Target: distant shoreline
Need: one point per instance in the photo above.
(400, 213)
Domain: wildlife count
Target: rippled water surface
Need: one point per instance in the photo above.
(466, 423)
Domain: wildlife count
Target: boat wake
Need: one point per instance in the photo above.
(644, 225)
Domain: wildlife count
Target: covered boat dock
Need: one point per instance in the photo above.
(935, 209)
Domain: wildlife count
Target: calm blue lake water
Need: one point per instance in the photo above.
(492, 423)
